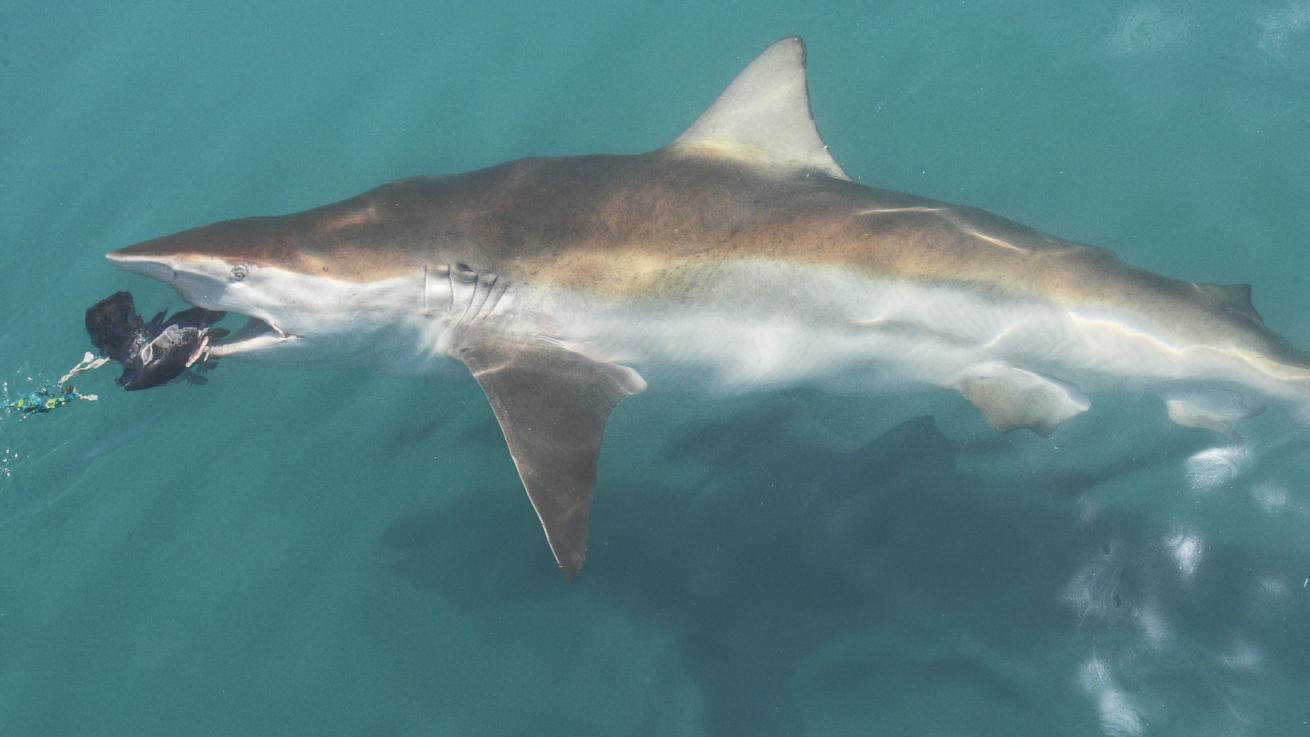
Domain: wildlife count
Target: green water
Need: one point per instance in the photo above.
(288, 552)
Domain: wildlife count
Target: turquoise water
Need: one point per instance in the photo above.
(339, 553)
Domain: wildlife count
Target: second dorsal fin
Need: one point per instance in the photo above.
(1235, 298)
(764, 117)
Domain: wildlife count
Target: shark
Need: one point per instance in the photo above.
(738, 258)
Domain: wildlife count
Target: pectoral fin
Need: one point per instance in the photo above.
(1010, 398)
(552, 405)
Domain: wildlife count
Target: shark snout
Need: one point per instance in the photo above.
(145, 265)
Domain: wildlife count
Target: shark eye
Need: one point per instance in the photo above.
(239, 272)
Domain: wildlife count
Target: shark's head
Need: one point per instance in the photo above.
(273, 270)
(210, 269)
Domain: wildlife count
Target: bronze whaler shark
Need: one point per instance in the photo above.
(740, 257)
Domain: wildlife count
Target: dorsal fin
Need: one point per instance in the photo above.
(764, 116)
(1235, 298)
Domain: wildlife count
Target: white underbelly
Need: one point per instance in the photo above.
(760, 325)
(866, 336)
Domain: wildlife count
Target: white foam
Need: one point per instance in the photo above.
(1214, 467)
(1186, 548)
(1094, 588)
(1148, 29)
(1283, 30)
(1119, 715)
(1155, 630)
(1272, 498)
(1244, 657)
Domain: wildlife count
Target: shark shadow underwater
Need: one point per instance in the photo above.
(738, 258)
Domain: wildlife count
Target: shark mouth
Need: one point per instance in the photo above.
(255, 335)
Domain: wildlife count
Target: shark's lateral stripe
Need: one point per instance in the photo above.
(740, 257)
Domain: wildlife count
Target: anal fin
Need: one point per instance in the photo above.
(552, 405)
(1011, 398)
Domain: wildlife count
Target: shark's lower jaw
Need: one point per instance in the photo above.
(256, 335)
